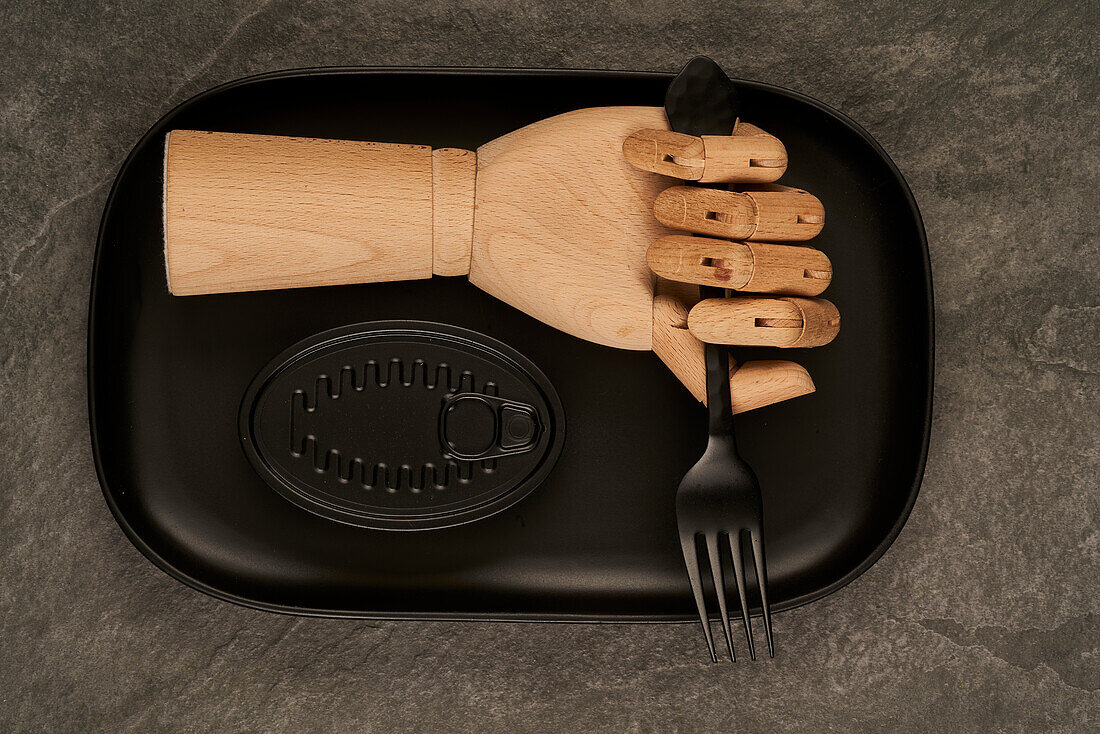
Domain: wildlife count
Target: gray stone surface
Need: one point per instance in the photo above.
(982, 617)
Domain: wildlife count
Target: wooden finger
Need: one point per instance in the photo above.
(752, 384)
(785, 213)
(768, 212)
(765, 322)
(748, 155)
(759, 267)
(666, 153)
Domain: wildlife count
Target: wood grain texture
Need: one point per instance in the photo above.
(687, 293)
(747, 321)
(765, 322)
(666, 153)
(762, 212)
(563, 222)
(701, 260)
(454, 172)
(712, 212)
(749, 155)
(677, 347)
(256, 212)
(784, 213)
(759, 267)
(788, 269)
(764, 382)
(752, 384)
(820, 319)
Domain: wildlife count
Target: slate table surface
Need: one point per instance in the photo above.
(982, 617)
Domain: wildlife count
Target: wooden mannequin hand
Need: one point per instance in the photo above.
(757, 209)
(551, 219)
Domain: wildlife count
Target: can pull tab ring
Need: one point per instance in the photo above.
(473, 427)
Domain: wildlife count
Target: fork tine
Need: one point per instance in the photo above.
(691, 560)
(762, 580)
(720, 588)
(739, 572)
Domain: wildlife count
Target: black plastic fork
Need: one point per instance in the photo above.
(719, 501)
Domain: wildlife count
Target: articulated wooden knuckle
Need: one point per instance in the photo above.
(765, 322)
(666, 153)
(767, 212)
(713, 212)
(820, 321)
(701, 260)
(752, 384)
(750, 155)
(785, 213)
(789, 269)
(758, 267)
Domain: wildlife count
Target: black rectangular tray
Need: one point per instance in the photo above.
(597, 541)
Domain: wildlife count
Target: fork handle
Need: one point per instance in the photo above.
(719, 400)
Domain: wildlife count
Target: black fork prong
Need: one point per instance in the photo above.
(739, 572)
(762, 580)
(719, 588)
(691, 560)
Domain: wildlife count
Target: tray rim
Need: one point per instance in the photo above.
(198, 585)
